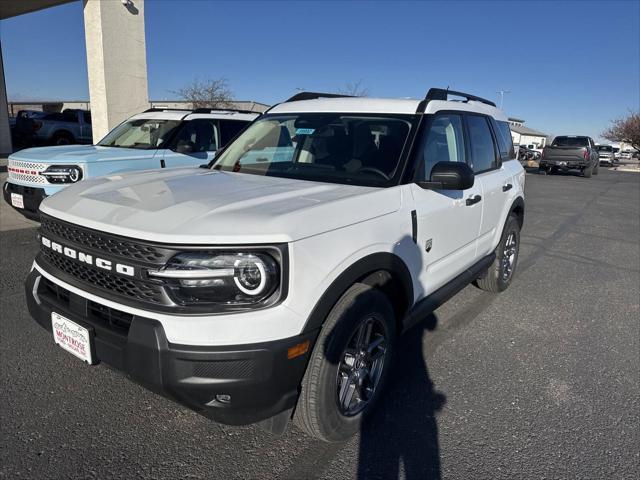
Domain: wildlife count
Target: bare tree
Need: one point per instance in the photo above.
(208, 93)
(625, 130)
(354, 89)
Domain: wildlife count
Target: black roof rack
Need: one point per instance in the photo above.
(212, 110)
(313, 96)
(443, 94)
(198, 110)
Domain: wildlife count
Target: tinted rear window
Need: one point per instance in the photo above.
(505, 141)
(571, 142)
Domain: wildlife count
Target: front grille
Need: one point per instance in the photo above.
(131, 288)
(104, 242)
(28, 172)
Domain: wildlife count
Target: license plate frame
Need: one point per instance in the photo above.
(17, 200)
(74, 338)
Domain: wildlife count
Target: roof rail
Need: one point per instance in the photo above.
(163, 109)
(442, 94)
(313, 96)
(212, 110)
(198, 110)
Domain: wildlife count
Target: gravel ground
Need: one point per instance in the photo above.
(541, 381)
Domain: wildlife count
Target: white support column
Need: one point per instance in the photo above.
(5, 132)
(116, 62)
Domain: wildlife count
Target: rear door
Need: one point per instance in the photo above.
(447, 221)
(487, 165)
(194, 144)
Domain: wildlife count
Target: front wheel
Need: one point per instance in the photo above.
(349, 365)
(500, 273)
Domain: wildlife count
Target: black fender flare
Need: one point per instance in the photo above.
(360, 270)
(518, 206)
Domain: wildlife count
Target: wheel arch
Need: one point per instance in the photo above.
(517, 208)
(64, 133)
(384, 271)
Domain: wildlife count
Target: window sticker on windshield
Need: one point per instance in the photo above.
(305, 131)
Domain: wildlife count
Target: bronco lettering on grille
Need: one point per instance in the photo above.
(88, 259)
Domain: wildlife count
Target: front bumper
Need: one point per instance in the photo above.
(256, 381)
(32, 198)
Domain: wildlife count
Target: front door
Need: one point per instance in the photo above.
(448, 221)
(195, 144)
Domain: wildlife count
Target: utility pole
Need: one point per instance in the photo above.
(502, 94)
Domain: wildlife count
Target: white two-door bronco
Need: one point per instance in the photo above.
(274, 284)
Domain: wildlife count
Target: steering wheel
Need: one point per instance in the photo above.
(377, 171)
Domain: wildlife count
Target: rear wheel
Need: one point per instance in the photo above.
(62, 138)
(595, 169)
(349, 365)
(587, 171)
(500, 273)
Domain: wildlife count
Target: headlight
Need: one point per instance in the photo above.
(221, 278)
(63, 174)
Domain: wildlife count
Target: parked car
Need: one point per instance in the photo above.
(275, 282)
(626, 155)
(570, 152)
(525, 153)
(153, 139)
(606, 154)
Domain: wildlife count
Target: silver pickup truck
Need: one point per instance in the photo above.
(570, 152)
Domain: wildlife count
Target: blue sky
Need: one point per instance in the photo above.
(571, 66)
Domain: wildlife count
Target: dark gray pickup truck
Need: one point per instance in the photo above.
(570, 152)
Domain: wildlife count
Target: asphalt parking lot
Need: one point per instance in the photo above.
(541, 381)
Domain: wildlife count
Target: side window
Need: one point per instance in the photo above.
(229, 129)
(86, 116)
(443, 143)
(505, 141)
(198, 135)
(483, 154)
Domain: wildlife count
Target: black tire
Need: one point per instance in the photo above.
(63, 138)
(318, 412)
(587, 171)
(595, 169)
(496, 279)
(553, 170)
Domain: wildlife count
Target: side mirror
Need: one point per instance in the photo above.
(449, 176)
(185, 148)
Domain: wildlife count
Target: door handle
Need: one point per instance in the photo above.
(507, 187)
(162, 164)
(473, 200)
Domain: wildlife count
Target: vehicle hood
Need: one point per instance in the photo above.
(78, 154)
(196, 206)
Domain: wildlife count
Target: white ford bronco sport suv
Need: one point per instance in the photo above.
(274, 283)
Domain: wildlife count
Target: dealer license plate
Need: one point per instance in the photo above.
(72, 337)
(17, 200)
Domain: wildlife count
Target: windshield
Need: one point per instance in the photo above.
(144, 134)
(605, 148)
(571, 142)
(323, 147)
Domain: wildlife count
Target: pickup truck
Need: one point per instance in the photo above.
(58, 128)
(570, 152)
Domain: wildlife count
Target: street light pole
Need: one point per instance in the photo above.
(502, 94)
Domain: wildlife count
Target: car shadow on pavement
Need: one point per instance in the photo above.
(400, 438)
